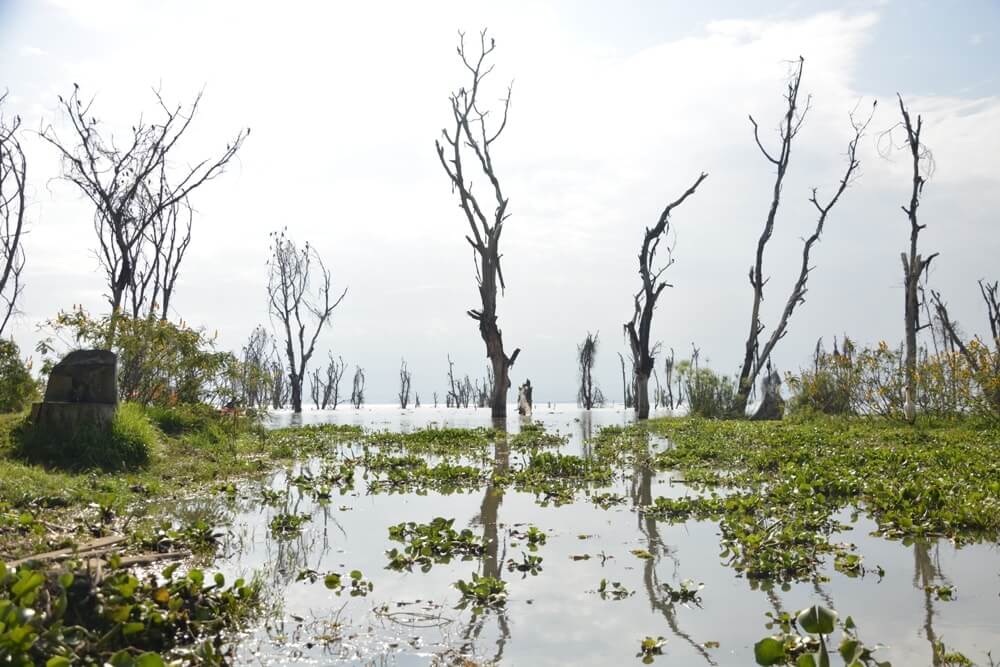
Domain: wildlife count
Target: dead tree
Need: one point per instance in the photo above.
(628, 387)
(451, 398)
(435, 399)
(358, 390)
(586, 353)
(334, 373)
(13, 205)
(756, 357)
(293, 300)
(471, 134)
(638, 329)
(169, 237)
(405, 378)
(668, 378)
(128, 182)
(325, 386)
(915, 266)
(256, 360)
(985, 367)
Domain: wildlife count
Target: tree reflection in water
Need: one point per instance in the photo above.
(494, 556)
(642, 495)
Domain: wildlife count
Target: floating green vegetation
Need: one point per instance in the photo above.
(649, 648)
(482, 592)
(802, 639)
(607, 500)
(533, 436)
(622, 445)
(529, 564)
(64, 618)
(287, 525)
(435, 441)
(355, 582)
(687, 592)
(533, 536)
(410, 473)
(789, 480)
(613, 590)
(430, 543)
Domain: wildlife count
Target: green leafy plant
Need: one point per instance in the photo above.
(802, 641)
(287, 525)
(482, 592)
(17, 388)
(430, 543)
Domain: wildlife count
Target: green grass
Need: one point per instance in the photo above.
(125, 445)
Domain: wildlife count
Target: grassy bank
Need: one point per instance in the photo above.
(192, 449)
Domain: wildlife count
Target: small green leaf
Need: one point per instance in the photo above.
(769, 651)
(817, 620)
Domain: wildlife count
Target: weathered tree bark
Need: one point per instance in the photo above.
(470, 132)
(13, 205)
(128, 184)
(756, 357)
(637, 330)
(914, 265)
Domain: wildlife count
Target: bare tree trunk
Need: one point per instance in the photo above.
(470, 133)
(914, 266)
(292, 300)
(756, 357)
(637, 330)
(13, 205)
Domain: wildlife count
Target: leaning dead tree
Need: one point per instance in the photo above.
(131, 183)
(756, 355)
(587, 395)
(914, 264)
(13, 184)
(405, 380)
(983, 357)
(638, 329)
(302, 309)
(469, 144)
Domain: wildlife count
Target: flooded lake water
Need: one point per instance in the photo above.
(557, 616)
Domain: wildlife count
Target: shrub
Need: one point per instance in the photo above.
(17, 388)
(829, 386)
(159, 362)
(124, 445)
(709, 394)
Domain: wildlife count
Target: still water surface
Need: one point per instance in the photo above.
(556, 617)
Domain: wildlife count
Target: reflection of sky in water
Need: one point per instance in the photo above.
(555, 618)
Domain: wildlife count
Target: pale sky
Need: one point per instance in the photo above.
(617, 106)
